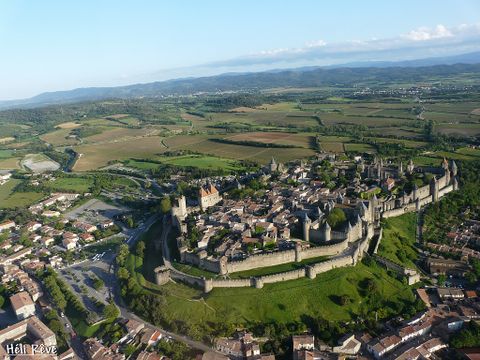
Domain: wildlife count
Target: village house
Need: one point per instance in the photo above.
(33, 226)
(85, 227)
(32, 328)
(96, 351)
(22, 305)
(208, 196)
(450, 293)
(133, 327)
(51, 213)
(47, 240)
(86, 237)
(70, 243)
(150, 336)
(6, 225)
(106, 224)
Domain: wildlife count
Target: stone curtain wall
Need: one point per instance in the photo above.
(223, 267)
(310, 271)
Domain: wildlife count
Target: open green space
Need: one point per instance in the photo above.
(361, 148)
(282, 302)
(398, 240)
(277, 269)
(287, 301)
(191, 160)
(9, 198)
(76, 184)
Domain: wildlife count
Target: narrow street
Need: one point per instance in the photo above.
(114, 289)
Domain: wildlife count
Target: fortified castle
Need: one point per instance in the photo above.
(306, 207)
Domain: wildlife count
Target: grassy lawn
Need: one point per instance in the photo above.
(286, 301)
(201, 161)
(111, 244)
(10, 163)
(469, 151)
(10, 199)
(80, 325)
(277, 269)
(195, 271)
(398, 240)
(360, 148)
(425, 161)
(7, 188)
(281, 302)
(5, 154)
(77, 184)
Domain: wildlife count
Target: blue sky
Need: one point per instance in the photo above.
(56, 45)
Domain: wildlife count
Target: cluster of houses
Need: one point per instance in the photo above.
(242, 346)
(297, 203)
(61, 200)
(252, 224)
(135, 333)
(462, 241)
(46, 237)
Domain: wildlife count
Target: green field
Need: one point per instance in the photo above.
(286, 301)
(277, 269)
(398, 240)
(76, 184)
(199, 161)
(122, 136)
(10, 199)
(283, 302)
(361, 148)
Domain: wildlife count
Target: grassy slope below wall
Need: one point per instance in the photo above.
(398, 240)
(285, 301)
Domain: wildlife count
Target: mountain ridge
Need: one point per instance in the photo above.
(312, 76)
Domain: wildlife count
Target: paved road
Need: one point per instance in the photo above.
(114, 289)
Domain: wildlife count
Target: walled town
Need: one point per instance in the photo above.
(298, 218)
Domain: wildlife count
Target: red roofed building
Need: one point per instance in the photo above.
(208, 195)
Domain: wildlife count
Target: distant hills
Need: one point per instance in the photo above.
(363, 73)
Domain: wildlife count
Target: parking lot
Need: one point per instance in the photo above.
(78, 278)
(94, 211)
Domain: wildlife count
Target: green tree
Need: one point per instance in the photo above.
(336, 218)
(110, 311)
(123, 252)
(140, 249)
(123, 273)
(441, 279)
(165, 205)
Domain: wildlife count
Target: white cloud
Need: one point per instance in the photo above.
(315, 43)
(422, 42)
(425, 33)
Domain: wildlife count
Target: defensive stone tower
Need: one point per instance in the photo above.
(179, 208)
(415, 192)
(434, 188)
(298, 252)
(454, 168)
(410, 167)
(307, 223)
(327, 232)
(162, 275)
(446, 171)
(223, 265)
(455, 183)
(445, 164)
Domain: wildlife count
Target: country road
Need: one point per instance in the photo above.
(114, 289)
